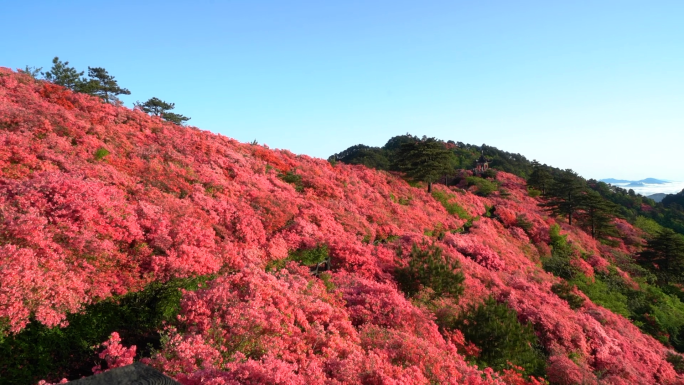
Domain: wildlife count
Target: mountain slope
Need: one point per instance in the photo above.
(98, 200)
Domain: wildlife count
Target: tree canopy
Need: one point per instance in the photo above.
(157, 107)
(425, 160)
(103, 85)
(664, 255)
(565, 195)
(63, 75)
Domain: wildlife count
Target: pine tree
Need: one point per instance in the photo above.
(102, 84)
(494, 328)
(158, 107)
(32, 71)
(664, 255)
(598, 214)
(62, 74)
(566, 194)
(540, 178)
(425, 160)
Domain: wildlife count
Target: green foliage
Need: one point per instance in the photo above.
(565, 291)
(293, 179)
(606, 291)
(451, 207)
(561, 252)
(631, 206)
(524, 223)
(648, 225)
(425, 160)
(306, 257)
(533, 192)
(495, 329)
(102, 84)
(664, 256)
(427, 267)
(565, 195)
(651, 308)
(490, 173)
(62, 74)
(484, 186)
(326, 278)
(597, 215)
(677, 362)
(39, 352)
(32, 71)
(674, 201)
(540, 179)
(101, 153)
(160, 108)
(371, 157)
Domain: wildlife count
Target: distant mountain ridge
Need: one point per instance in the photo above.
(635, 182)
(657, 197)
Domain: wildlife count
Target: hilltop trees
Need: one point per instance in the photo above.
(157, 107)
(62, 74)
(99, 82)
(425, 160)
(540, 178)
(103, 85)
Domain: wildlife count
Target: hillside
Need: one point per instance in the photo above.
(100, 202)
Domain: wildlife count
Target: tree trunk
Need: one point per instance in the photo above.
(429, 187)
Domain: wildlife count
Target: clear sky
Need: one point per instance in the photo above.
(596, 86)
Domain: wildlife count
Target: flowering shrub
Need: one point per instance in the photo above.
(115, 354)
(98, 201)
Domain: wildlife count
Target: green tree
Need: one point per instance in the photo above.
(158, 107)
(664, 255)
(566, 194)
(428, 268)
(32, 71)
(494, 328)
(425, 160)
(62, 74)
(598, 215)
(102, 84)
(540, 178)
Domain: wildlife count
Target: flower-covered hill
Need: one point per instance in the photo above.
(98, 200)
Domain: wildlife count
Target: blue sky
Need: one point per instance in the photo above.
(596, 86)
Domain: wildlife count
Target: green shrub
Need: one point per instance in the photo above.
(484, 186)
(39, 352)
(495, 329)
(648, 225)
(677, 362)
(533, 192)
(451, 208)
(306, 257)
(428, 268)
(522, 222)
(564, 291)
(293, 179)
(101, 153)
(489, 173)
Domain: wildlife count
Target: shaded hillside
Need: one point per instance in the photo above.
(99, 202)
